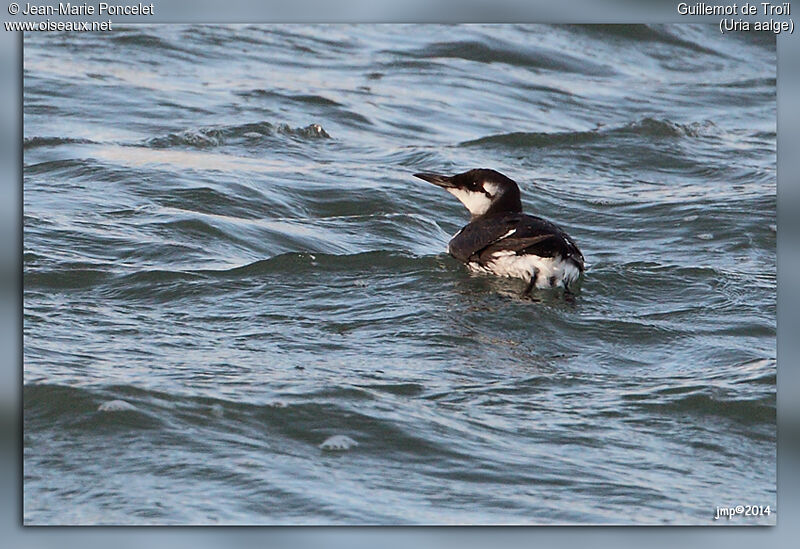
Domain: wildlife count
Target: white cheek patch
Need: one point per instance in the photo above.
(476, 203)
(491, 188)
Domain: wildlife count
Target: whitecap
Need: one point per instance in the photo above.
(116, 406)
(338, 443)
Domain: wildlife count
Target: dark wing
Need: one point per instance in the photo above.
(519, 233)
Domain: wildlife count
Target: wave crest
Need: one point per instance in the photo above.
(38, 141)
(646, 127)
(215, 136)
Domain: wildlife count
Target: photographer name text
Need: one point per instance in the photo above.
(102, 8)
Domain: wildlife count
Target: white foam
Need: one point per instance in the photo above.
(338, 443)
(116, 406)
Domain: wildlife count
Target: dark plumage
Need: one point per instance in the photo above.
(533, 235)
(501, 239)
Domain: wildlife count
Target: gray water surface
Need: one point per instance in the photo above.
(221, 230)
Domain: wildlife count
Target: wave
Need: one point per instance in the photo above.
(517, 55)
(214, 136)
(309, 99)
(602, 277)
(703, 401)
(295, 263)
(328, 107)
(306, 262)
(36, 141)
(744, 392)
(646, 127)
(308, 418)
(647, 33)
(131, 37)
(48, 405)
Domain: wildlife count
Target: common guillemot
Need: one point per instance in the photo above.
(502, 240)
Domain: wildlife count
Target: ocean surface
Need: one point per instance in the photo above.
(238, 307)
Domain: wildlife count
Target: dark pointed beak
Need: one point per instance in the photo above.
(437, 179)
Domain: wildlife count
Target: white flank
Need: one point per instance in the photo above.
(549, 269)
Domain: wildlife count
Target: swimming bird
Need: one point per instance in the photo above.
(502, 240)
